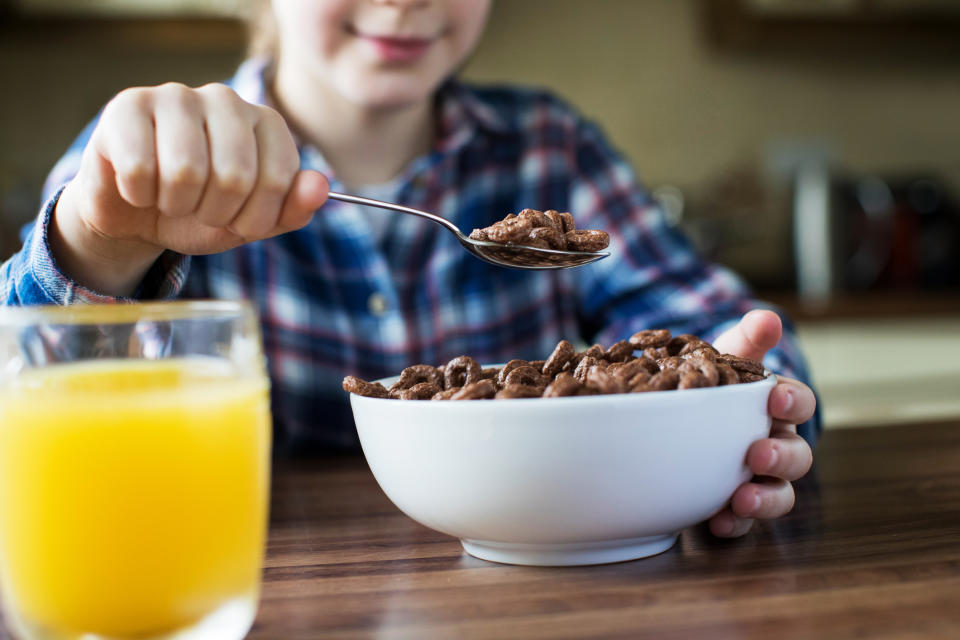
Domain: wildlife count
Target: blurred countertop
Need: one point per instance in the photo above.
(884, 358)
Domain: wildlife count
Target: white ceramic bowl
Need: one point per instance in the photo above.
(564, 481)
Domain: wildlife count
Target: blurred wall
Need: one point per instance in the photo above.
(684, 113)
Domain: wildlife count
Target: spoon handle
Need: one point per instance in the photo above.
(343, 197)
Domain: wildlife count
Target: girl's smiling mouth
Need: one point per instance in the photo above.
(396, 48)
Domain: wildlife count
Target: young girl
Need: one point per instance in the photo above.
(220, 192)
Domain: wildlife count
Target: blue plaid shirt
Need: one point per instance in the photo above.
(333, 302)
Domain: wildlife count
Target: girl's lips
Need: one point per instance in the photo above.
(398, 49)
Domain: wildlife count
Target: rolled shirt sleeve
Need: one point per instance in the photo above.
(32, 275)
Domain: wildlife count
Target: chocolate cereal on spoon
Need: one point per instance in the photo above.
(540, 239)
(529, 240)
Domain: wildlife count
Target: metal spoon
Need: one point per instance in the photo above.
(505, 255)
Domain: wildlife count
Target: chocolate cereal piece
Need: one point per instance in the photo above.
(701, 352)
(587, 240)
(460, 372)
(446, 394)
(507, 368)
(596, 351)
(550, 236)
(562, 386)
(650, 338)
(525, 375)
(603, 381)
(566, 220)
(703, 367)
(628, 370)
(692, 380)
(537, 218)
(562, 354)
(673, 362)
(352, 384)
(640, 381)
(416, 374)
(726, 374)
(519, 391)
(665, 380)
(420, 391)
(512, 231)
(743, 365)
(580, 373)
(678, 343)
(656, 353)
(619, 352)
(556, 220)
(482, 390)
(480, 234)
(490, 373)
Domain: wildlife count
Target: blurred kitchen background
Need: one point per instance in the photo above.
(813, 145)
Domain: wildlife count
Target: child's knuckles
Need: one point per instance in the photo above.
(135, 169)
(254, 225)
(236, 180)
(180, 175)
(276, 178)
(134, 98)
(270, 117)
(218, 92)
(179, 95)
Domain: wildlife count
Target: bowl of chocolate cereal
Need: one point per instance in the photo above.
(586, 457)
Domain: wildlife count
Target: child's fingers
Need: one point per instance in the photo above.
(125, 138)
(278, 163)
(763, 498)
(308, 193)
(786, 456)
(183, 162)
(791, 401)
(233, 155)
(756, 333)
(726, 525)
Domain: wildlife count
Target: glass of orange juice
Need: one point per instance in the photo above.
(134, 470)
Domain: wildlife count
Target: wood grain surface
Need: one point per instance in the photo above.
(872, 550)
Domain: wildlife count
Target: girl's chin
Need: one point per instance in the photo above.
(390, 94)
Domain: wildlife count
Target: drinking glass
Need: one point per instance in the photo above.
(134, 470)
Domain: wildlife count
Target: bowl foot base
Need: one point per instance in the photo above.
(568, 555)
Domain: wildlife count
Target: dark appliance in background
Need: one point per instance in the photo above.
(896, 234)
(867, 233)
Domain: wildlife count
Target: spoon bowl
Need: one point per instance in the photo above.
(515, 256)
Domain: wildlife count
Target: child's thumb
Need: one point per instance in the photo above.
(756, 333)
(307, 194)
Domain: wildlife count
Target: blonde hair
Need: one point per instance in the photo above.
(261, 30)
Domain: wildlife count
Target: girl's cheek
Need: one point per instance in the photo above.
(468, 18)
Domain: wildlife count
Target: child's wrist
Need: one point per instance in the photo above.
(103, 264)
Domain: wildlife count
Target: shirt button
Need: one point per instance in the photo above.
(377, 304)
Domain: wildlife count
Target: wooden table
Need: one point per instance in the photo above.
(872, 550)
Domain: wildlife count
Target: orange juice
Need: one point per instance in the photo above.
(133, 495)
